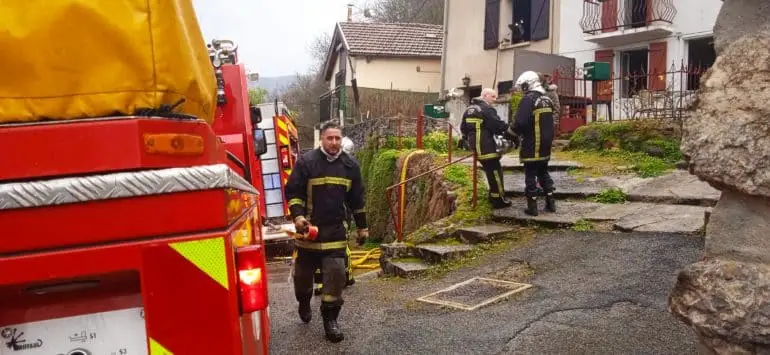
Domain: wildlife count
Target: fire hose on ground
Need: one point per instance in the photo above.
(359, 259)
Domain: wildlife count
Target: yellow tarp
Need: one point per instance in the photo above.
(68, 59)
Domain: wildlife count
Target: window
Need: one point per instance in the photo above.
(701, 56)
(636, 13)
(504, 87)
(530, 21)
(633, 71)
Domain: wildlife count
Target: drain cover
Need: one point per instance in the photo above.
(474, 293)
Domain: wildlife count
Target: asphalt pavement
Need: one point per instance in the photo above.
(593, 293)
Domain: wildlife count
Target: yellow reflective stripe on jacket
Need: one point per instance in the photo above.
(331, 180)
(342, 244)
(326, 180)
(477, 123)
(296, 202)
(360, 210)
(488, 156)
(537, 114)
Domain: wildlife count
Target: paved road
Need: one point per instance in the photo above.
(593, 293)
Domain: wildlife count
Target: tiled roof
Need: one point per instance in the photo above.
(393, 39)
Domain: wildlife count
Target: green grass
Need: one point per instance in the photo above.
(644, 147)
(610, 195)
(583, 226)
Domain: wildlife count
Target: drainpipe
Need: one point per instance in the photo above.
(443, 47)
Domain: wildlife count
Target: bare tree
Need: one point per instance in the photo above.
(407, 11)
(303, 94)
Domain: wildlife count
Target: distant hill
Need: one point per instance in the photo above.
(273, 83)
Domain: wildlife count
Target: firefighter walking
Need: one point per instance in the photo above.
(534, 122)
(347, 146)
(480, 124)
(322, 182)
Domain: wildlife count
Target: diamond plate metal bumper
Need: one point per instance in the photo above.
(119, 185)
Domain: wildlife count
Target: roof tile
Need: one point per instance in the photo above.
(393, 39)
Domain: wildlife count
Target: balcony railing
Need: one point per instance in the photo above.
(600, 16)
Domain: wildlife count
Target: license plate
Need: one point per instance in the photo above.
(109, 333)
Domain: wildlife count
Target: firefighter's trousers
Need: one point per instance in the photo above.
(318, 275)
(332, 265)
(536, 172)
(494, 172)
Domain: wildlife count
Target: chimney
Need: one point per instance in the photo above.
(350, 12)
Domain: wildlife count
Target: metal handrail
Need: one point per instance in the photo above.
(398, 221)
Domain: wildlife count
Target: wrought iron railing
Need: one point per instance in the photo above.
(611, 15)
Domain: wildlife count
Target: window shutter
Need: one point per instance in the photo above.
(604, 88)
(491, 24)
(609, 15)
(541, 18)
(657, 66)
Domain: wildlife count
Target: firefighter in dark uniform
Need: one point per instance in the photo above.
(347, 146)
(322, 182)
(534, 122)
(480, 124)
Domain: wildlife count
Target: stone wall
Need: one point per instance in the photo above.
(388, 127)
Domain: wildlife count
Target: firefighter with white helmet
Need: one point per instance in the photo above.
(534, 122)
(347, 145)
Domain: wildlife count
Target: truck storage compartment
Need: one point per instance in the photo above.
(84, 58)
(99, 314)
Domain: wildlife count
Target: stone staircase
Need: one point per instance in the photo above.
(677, 202)
(403, 260)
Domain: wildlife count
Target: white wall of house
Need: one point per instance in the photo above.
(394, 73)
(694, 19)
(465, 53)
(399, 73)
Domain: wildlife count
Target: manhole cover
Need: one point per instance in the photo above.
(474, 293)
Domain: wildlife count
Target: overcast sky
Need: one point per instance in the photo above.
(272, 35)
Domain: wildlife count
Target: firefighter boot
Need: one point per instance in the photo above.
(550, 202)
(305, 312)
(329, 312)
(531, 206)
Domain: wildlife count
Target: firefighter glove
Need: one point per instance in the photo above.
(362, 235)
(301, 224)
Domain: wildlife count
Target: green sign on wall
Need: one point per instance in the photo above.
(435, 111)
(596, 71)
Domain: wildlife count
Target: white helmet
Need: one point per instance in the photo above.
(529, 81)
(348, 145)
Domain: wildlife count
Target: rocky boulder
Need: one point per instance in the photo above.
(728, 305)
(727, 140)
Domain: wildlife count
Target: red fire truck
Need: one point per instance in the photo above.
(131, 233)
(283, 149)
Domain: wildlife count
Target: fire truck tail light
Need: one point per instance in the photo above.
(252, 278)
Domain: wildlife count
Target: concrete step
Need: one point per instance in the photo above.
(567, 186)
(626, 217)
(404, 267)
(483, 233)
(438, 253)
